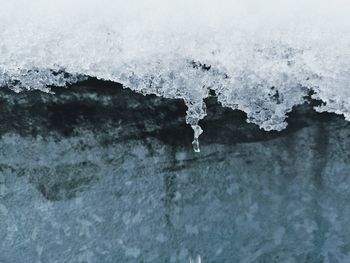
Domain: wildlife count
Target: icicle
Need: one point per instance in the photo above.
(197, 132)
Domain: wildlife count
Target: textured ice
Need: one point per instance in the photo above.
(262, 57)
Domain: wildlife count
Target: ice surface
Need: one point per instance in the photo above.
(80, 199)
(262, 57)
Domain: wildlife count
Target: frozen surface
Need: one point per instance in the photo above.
(260, 57)
(105, 176)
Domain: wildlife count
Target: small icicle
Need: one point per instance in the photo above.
(195, 144)
(197, 132)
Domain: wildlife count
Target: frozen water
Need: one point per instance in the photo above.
(102, 174)
(259, 57)
(80, 199)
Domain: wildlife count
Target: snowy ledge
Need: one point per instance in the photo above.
(260, 59)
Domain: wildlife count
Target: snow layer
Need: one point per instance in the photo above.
(262, 57)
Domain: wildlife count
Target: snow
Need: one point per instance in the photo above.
(262, 57)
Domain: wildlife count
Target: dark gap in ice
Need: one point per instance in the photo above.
(99, 105)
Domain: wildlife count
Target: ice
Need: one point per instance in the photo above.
(260, 57)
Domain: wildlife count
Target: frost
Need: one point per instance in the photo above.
(260, 57)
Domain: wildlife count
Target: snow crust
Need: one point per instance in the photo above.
(262, 57)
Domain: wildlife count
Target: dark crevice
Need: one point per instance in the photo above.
(100, 105)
